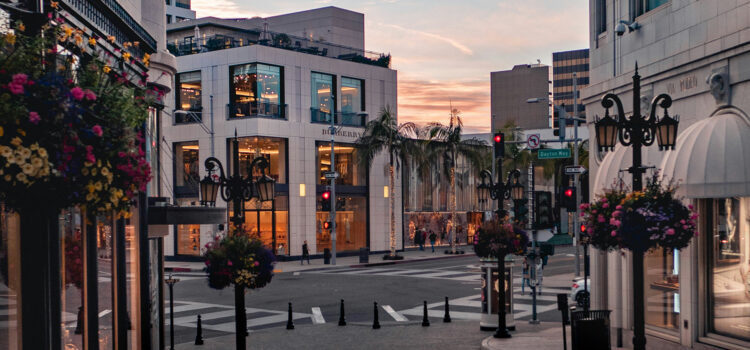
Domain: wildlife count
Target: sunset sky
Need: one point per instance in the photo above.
(444, 51)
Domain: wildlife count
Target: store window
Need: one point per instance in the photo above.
(351, 224)
(188, 86)
(271, 148)
(728, 222)
(322, 97)
(71, 278)
(189, 240)
(256, 90)
(662, 288)
(351, 172)
(133, 282)
(186, 167)
(639, 7)
(352, 102)
(269, 222)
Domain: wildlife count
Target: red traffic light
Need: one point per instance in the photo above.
(569, 192)
(326, 225)
(326, 195)
(583, 228)
(498, 138)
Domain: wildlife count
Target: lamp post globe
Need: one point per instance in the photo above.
(666, 132)
(265, 187)
(517, 191)
(606, 132)
(209, 190)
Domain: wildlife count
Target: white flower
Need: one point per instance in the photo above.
(37, 162)
(28, 169)
(25, 153)
(5, 151)
(22, 177)
(42, 152)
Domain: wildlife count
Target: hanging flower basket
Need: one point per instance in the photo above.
(69, 122)
(642, 220)
(495, 239)
(238, 260)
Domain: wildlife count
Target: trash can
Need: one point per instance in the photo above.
(489, 290)
(590, 329)
(364, 255)
(326, 256)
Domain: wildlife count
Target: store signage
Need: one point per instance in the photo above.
(554, 153)
(575, 170)
(343, 133)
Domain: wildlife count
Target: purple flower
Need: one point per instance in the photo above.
(34, 117)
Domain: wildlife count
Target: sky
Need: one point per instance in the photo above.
(444, 50)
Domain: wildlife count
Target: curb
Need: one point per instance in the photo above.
(181, 269)
(406, 261)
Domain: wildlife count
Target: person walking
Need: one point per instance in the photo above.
(305, 254)
(433, 237)
(419, 238)
(525, 272)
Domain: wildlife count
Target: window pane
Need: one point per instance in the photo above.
(256, 90)
(189, 240)
(351, 225)
(662, 288)
(351, 95)
(186, 177)
(321, 103)
(350, 171)
(105, 234)
(273, 149)
(133, 279)
(71, 278)
(652, 4)
(189, 91)
(730, 266)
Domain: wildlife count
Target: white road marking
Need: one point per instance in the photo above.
(296, 273)
(317, 316)
(104, 313)
(396, 316)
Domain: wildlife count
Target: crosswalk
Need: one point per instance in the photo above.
(219, 317)
(460, 275)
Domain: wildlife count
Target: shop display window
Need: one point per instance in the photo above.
(728, 224)
(189, 240)
(256, 90)
(186, 169)
(351, 224)
(351, 172)
(662, 288)
(271, 148)
(322, 97)
(269, 221)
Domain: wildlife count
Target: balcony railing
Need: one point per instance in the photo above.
(190, 46)
(187, 117)
(342, 118)
(256, 109)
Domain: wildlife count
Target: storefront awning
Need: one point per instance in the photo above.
(609, 175)
(712, 157)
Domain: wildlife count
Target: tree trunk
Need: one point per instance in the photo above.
(393, 211)
(453, 209)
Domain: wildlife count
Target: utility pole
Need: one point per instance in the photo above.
(333, 180)
(576, 228)
(533, 278)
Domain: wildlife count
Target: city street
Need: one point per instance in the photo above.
(399, 290)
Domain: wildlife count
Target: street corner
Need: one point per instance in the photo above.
(546, 335)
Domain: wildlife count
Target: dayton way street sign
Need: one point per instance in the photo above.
(575, 169)
(554, 153)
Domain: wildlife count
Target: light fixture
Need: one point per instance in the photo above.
(666, 131)
(606, 132)
(301, 190)
(209, 189)
(265, 187)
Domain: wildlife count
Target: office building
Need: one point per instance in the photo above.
(509, 91)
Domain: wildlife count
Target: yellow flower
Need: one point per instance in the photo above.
(6, 152)
(27, 169)
(37, 162)
(7, 178)
(106, 69)
(25, 153)
(34, 147)
(89, 197)
(93, 172)
(98, 185)
(53, 4)
(42, 152)
(16, 141)
(21, 27)
(78, 39)
(10, 38)
(68, 31)
(20, 131)
(92, 41)
(136, 43)
(146, 59)
(90, 187)
(126, 44)
(105, 171)
(22, 177)
(111, 38)
(126, 56)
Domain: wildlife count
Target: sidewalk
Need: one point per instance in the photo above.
(544, 336)
(347, 261)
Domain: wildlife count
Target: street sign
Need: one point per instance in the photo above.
(331, 175)
(533, 141)
(575, 170)
(554, 153)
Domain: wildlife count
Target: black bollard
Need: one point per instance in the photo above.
(199, 333)
(447, 317)
(342, 318)
(425, 320)
(375, 322)
(79, 323)
(289, 322)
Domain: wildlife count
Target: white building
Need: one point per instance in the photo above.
(277, 90)
(698, 52)
(178, 11)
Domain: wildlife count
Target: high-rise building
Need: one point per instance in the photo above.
(178, 11)
(509, 91)
(564, 65)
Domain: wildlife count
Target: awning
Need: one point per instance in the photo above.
(608, 174)
(712, 157)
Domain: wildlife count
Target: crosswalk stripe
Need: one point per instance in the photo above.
(396, 316)
(317, 316)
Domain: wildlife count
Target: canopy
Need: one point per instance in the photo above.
(608, 173)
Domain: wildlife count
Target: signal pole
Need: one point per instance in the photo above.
(333, 181)
(575, 176)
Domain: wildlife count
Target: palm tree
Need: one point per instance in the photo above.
(446, 145)
(384, 134)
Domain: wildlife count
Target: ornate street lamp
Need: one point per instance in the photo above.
(500, 191)
(209, 190)
(637, 131)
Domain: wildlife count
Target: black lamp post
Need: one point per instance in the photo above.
(171, 282)
(637, 131)
(237, 190)
(500, 191)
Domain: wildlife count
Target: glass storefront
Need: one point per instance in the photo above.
(271, 148)
(351, 173)
(351, 224)
(322, 96)
(728, 225)
(186, 169)
(189, 240)
(662, 288)
(440, 224)
(256, 90)
(269, 221)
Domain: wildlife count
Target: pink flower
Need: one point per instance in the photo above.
(97, 130)
(15, 89)
(613, 233)
(605, 205)
(619, 207)
(685, 227)
(600, 219)
(682, 222)
(90, 95)
(77, 93)
(583, 214)
(613, 221)
(20, 78)
(670, 231)
(593, 212)
(208, 263)
(122, 154)
(229, 263)
(34, 117)
(616, 213)
(693, 217)
(604, 200)
(696, 233)
(257, 263)
(690, 206)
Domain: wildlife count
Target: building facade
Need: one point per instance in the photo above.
(698, 53)
(178, 11)
(509, 91)
(564, 65)
(277, 92)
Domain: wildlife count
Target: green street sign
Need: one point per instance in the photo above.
(554, 153)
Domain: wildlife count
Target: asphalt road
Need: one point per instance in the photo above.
(398, 289)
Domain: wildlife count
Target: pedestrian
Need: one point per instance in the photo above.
(419, 238)
(433, 237)
(525, 281)
(305, 254)
(539, 275)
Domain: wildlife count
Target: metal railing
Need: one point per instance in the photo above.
(188, 117)
(256, 109)
(341, 118)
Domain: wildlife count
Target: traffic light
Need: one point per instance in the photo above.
(499, 141)
(326, 225)
(583, 229)
(559, 122)
(543, 204)
(569, 198)
(325, 201)
(521, 211)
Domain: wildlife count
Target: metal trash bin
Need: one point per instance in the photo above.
(590, 329)
(488, 319)
(364, 255)
(326, 256)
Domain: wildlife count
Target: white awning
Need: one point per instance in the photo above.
(712, 157)
(608, 174)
